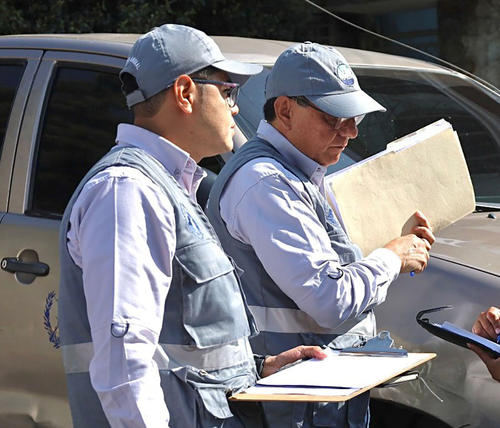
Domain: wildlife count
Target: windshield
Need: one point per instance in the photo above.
(413, 99)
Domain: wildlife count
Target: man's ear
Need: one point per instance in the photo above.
(283, 109)
(184, 92)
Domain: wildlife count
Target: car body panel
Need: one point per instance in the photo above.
(31, 374)
(473, 241)
(456, 371)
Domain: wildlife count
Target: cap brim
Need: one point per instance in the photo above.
(348, 104)
(239, 72)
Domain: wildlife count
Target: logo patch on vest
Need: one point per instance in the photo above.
(192, 225)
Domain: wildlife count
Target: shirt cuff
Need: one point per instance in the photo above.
(259, 364)
(390, 259)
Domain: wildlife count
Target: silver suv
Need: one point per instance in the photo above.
(60, 102)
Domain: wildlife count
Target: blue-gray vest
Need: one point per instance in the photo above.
(281, 323)
(203, 350)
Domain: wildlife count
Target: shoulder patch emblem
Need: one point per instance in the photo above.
(192, 225)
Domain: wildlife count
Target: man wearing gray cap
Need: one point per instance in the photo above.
(304, 280)
(154, 327)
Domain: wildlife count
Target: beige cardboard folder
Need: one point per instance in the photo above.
(337, 378)
(423, 171)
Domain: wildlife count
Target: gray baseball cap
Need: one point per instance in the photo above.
(323, 76)
(160, 56)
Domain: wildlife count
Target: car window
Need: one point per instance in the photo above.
(251, 101)
(415, 99)
(79, 126)
(10, 76)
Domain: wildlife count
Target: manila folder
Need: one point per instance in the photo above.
(425, 171)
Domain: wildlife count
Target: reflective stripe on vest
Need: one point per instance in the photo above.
(287, 320)
(77, 357)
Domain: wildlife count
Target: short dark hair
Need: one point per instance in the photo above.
(151, 106)
(269, 112)
(204, 73)
(146, 108)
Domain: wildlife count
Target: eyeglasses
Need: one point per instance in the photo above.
(231, 93)
(335, 122)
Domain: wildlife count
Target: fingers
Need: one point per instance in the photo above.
(493, 315)
(492, 364)
(480, 330)
(415, 259)
(425, 234)
(423, 229)
(412, 251)
(488, 324)
(422, 219)
(299, 353)
(274, 363)
(312, 352)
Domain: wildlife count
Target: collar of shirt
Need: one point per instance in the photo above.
(312, 169)
(175, 160)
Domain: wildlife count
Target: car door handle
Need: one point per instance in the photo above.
(14, 265)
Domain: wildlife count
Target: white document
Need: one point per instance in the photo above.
(343, 371)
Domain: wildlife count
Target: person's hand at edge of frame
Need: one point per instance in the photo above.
(487, 325)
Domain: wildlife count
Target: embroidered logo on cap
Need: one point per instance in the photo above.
(345, 74)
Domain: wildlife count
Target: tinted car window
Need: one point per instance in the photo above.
(414, 100)
(83, 110)
(10, 76)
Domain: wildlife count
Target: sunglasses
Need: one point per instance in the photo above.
(334, 122)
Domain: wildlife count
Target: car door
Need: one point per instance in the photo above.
(69, 122)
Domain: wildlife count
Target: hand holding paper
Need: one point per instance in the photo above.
(413, 252)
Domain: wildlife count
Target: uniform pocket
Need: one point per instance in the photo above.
(213, 308)
(209, 391)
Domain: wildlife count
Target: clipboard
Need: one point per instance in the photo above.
(370, 372)
(454, 334)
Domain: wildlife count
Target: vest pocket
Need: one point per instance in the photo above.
(206, 391)
(213, 312)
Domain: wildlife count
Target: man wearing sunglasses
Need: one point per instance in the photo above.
(154, 327)
(304, 280)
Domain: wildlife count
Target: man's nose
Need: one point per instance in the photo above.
(349, 128)
(235, 110)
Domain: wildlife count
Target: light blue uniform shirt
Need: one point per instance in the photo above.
(121, 215)
(266, 206)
